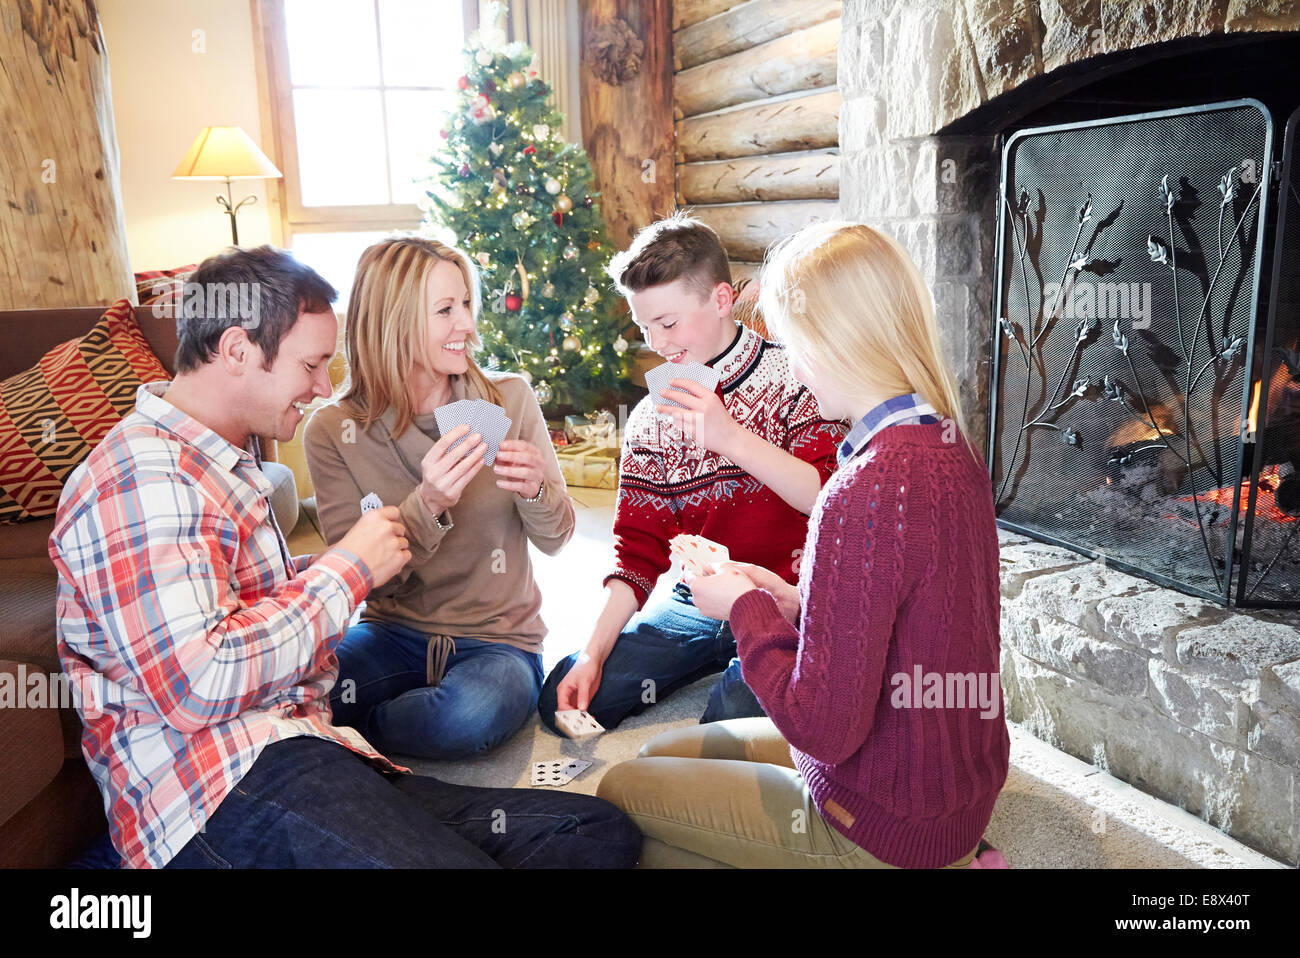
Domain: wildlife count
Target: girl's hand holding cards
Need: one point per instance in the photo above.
(445, 472)
(715, 592)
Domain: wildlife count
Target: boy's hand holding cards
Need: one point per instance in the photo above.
(657, 379)
(482, 417)
(700, 556)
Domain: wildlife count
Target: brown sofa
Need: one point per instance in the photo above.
(50, 807)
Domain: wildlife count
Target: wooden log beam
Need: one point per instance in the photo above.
(748, 25)
(62, 234)
(742, 270)
(687, 12)
(806, 122)
(628, 129)
(788, 176)
(747, 229)
(803, 60)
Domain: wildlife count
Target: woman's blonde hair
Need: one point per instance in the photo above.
(851, 299)
(385, 334)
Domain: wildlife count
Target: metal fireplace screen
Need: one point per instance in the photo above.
(1130, 254)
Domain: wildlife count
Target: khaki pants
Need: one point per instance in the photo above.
(727, 794)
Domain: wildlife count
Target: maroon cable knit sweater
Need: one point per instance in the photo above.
(900, 579)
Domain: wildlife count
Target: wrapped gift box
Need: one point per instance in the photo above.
(592, 464)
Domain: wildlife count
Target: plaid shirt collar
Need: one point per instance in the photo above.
(151, 403)
(892, 412)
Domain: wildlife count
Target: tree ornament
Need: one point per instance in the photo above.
(516, 80)
(571, 344)
(570, 252)
(548, 290)
(483, 259)
(586, 201)
(495, 148)
(566, 321)
(499, 176)
(558, 217)
(593, 245)
(483, 58)
(541, 131)
(464, 171)
(563, 203)
(620, 345)
(522, 220)
(529, 150)
(551, 360)
(490, 86)
(591, 296)
(481, 111)
(539, 87)
(552, 185)
(514, 302)
(543, 392)
(463, 83)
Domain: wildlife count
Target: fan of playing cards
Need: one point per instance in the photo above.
(698, 554)
(657, 379)
(482, 417)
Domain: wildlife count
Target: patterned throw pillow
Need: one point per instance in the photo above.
(54, 414)
(161, 284)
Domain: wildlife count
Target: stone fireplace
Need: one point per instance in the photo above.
(1188, 699)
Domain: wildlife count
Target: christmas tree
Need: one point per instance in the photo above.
(519, 200)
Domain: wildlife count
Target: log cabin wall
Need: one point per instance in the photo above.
(756, 105)
(62, 235)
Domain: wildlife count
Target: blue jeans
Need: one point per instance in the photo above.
(311, 803)
(488, 691)
(663, 648)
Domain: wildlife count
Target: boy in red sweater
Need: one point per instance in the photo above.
(885, 742)
(740, 465)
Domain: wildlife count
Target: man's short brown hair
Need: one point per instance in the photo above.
(677, 247)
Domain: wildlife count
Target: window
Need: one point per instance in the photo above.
(357, 92)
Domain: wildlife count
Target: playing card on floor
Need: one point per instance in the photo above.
(657, 379)
(558, 773)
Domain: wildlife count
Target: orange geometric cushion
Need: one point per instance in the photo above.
(54, 414)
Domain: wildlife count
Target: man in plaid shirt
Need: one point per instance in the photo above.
(202, 654)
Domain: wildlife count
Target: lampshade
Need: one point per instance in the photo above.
(219, 152)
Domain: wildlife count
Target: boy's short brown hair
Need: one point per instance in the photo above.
(677, 247)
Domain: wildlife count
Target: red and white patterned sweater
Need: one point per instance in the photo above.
(668, 484)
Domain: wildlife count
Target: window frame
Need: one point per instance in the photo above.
(288, 215)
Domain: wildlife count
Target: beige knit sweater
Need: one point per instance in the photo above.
(469, 574)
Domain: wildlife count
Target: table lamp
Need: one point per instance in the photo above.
(226, 153)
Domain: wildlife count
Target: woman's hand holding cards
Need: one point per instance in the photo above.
(519, 468)
(445, 474)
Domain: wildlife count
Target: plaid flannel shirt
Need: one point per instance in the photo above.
(189, 639)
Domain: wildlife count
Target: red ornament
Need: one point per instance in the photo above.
(529, 150)
(532, 73)
(558, 217)
(443, 134)
(513, 302)
(463, 83)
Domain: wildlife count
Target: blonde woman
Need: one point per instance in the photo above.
(446, 660)
(864, 760)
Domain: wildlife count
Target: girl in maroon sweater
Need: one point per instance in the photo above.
(885, 742)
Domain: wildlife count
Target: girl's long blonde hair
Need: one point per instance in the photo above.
(385, 328)
(850, 298)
